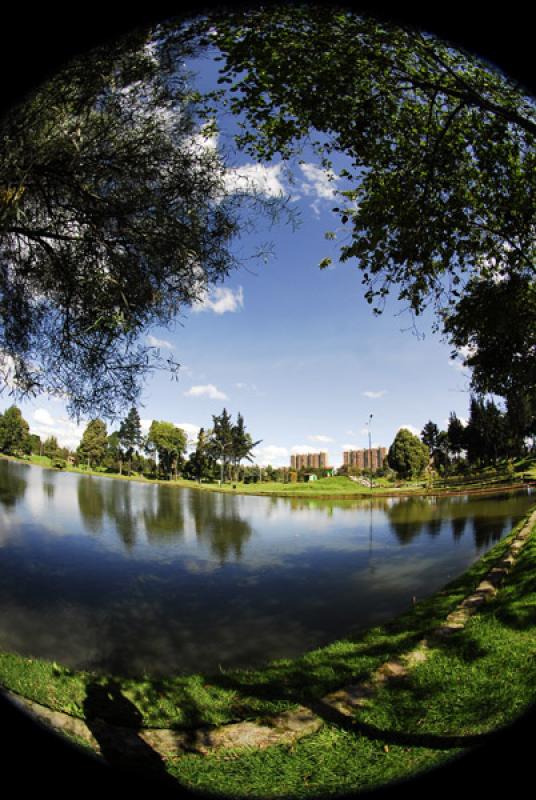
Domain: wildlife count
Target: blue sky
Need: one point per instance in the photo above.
(294, 348)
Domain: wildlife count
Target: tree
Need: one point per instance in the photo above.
(430, 436)
(14, 432)
(456, 434)
(241, 444)
(50, 447)
(441, 177)
(130, 437)
(408, 456)
(486, 435)
(169, 442)
(36, 444)
(114, 215)
(114, 454)
(200, 461)
(221, 440)
(494, 325)
(92, 447)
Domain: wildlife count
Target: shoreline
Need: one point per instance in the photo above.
(199, 717)
(311, 495)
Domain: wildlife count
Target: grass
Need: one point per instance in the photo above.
(479, 679)
(336, 487)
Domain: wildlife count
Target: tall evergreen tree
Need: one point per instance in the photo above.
(200, 459)
(221, 440)
(456, 435)
(130, 437)
(50, 447)
(430, 435)
(242, 444)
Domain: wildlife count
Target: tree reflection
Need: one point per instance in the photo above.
(458, 527)
(407, 517)
(164, 516)
(119, 509)
(12, 484)
(49, 484)
(219, 524)
(91, 502)
(487, 531)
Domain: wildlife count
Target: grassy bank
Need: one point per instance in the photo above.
(476, 680)
(337, 487)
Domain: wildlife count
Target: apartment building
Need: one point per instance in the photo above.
(365, 459)
(309, 461)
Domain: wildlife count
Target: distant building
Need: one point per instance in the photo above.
(309, 461)
(365, 459)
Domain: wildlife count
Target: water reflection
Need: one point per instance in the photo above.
(219, 524)
(12, 485)
(91, 502)
(180, 580)
(49, 484)
(119, 508)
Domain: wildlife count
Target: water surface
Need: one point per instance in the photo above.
(130, 577)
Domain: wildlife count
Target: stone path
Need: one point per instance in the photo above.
(289, 726)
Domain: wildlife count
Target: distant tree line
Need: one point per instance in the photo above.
(218, 454)
(491, 435)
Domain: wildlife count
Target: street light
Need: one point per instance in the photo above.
(370, 449)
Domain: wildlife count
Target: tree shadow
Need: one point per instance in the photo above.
(115, 722)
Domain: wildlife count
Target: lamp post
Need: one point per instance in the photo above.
(370, 449)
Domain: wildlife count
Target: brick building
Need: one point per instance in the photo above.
(365, 459)
(309, 461)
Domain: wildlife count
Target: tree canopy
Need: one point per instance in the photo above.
(114, 213)
(114, 216)
(441, 181)
(408, 456)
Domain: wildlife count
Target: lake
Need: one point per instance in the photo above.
(137, 578)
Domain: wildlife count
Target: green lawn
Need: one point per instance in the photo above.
(336, 486)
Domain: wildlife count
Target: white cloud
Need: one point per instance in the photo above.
(161, 343)
(251, 178)
(374, 395)
(320, 438)
(190, 430)
(67, 432)
(145, 424)
(43, 417)
(220, 300)
(319, 182)
(272, 454)
(411, 429)
(208, 390)
(249, 387)
(355, 446)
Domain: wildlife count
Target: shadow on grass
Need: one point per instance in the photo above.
(115, 723)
